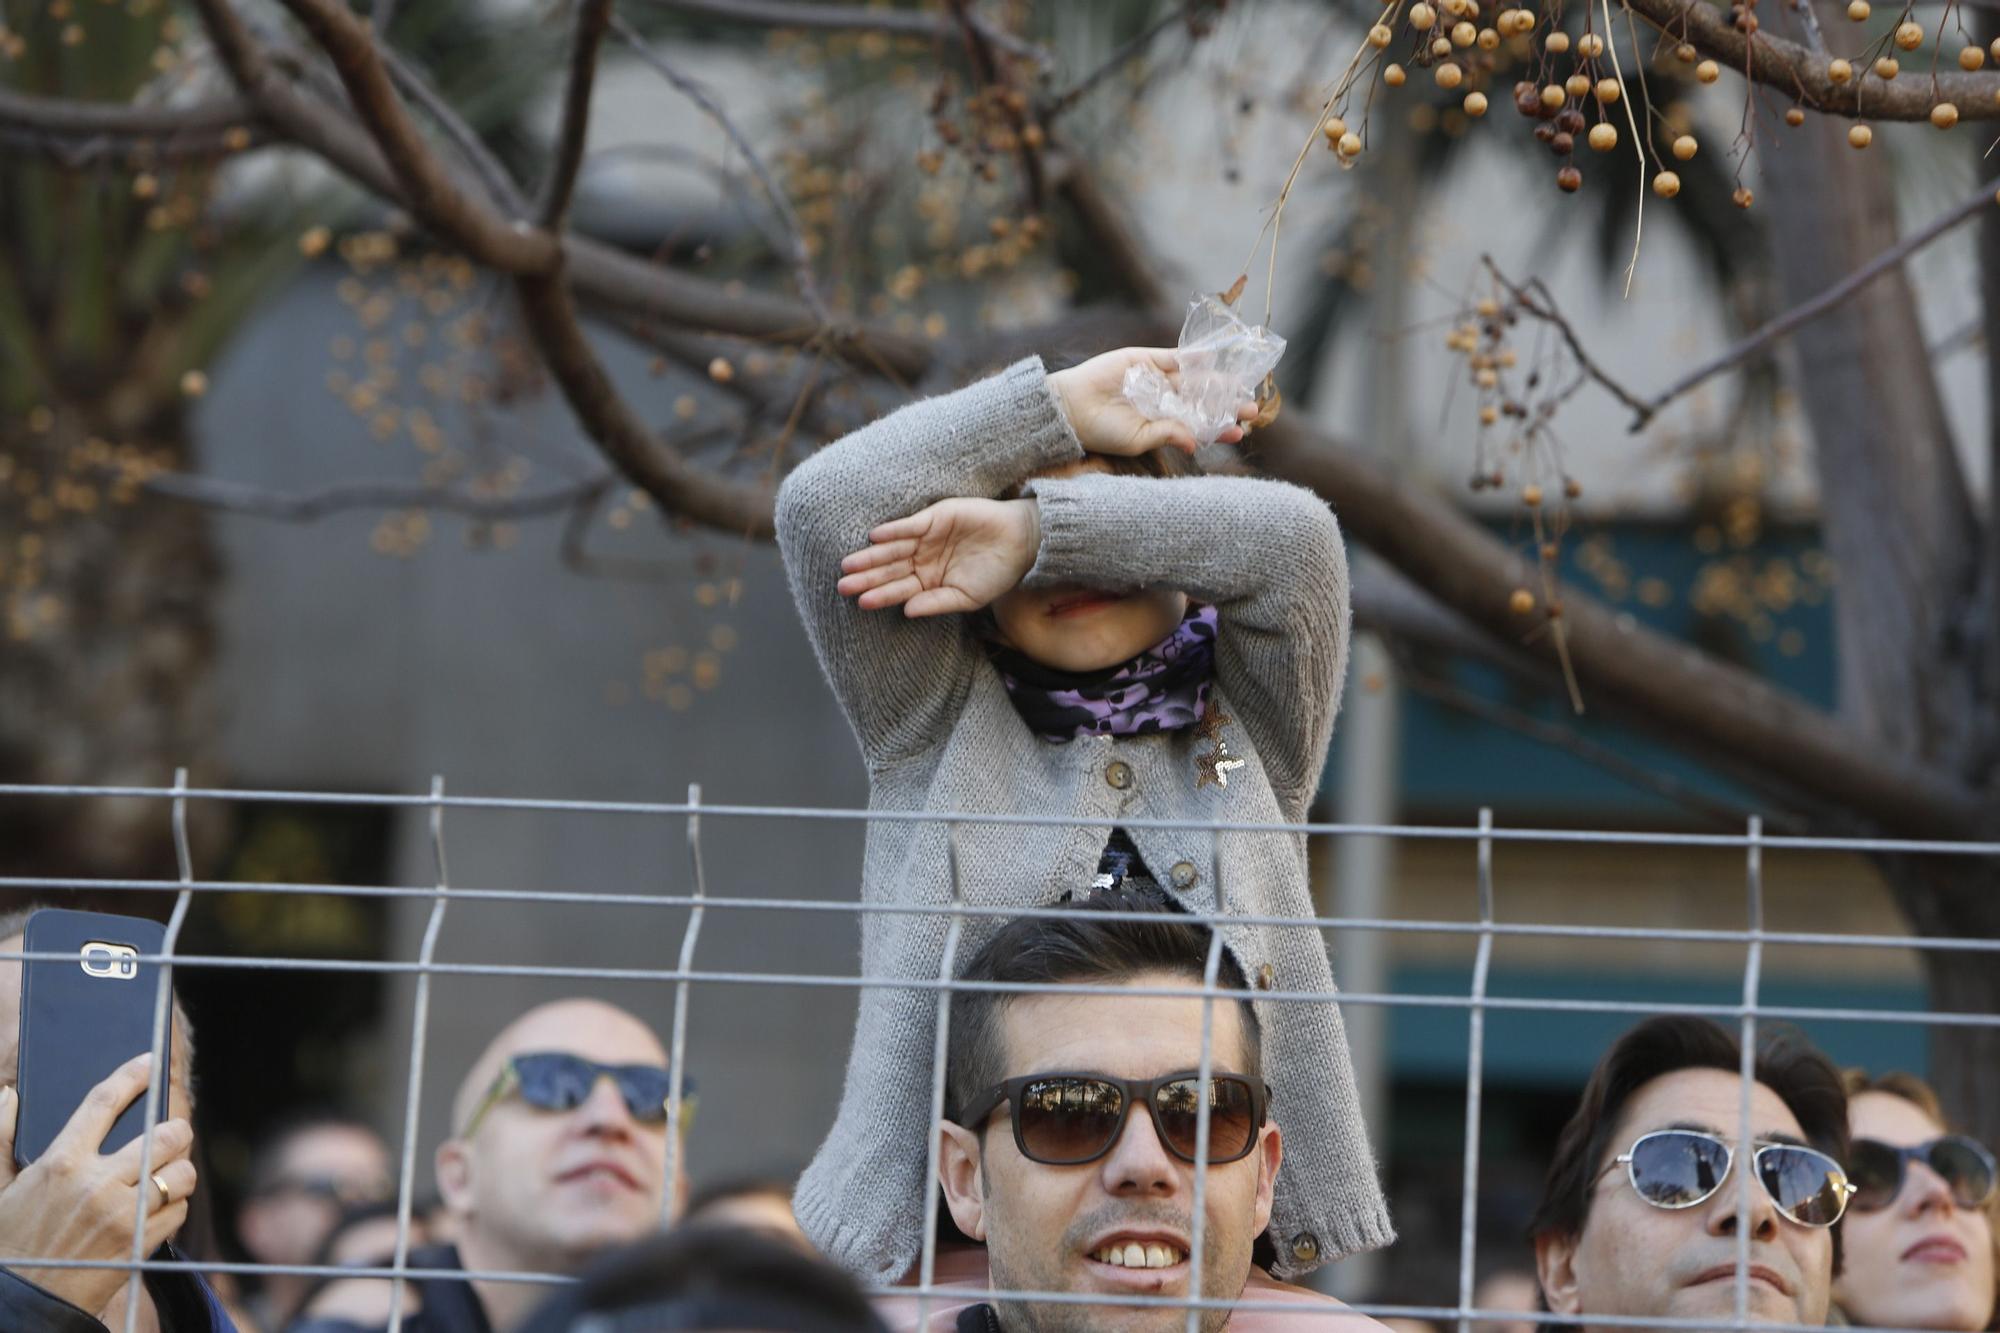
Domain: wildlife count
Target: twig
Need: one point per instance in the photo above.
(1124, 55)
(306, 507)
(499, 183)
(1979, 201)
(1545, 310)
(1632, 119)
(591, 18)
(850, 18)
(795, 234)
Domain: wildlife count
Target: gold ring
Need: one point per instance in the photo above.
(166, 1195)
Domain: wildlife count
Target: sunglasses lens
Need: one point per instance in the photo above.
(1061, 1121)
(554, 1082)
(1673, 1169)
(646, 1089)
(1232, 1118)
(1877, 1172)
(1966, 1167)
(1807, 1186)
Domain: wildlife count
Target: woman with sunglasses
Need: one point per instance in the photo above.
(1920, 1227)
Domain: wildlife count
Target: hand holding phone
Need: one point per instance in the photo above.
(73, 1202)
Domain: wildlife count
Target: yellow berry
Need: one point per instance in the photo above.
(1666, 185)
(1604, 137)
(1794, 117)
(1556, 43)
(1393, 75)
(1521, 602)
(1685, 53)
(1839, 71)
(1685, 147)
(1590, 46)
(1379, 36)
(313, 241)
(1887, 68)
(1422, 16)
(1334, 128)
(1608, 91)
(1488, 415)
(1970, 58)
(1860, 136)
(1742, 197)
(1440, 47)
(1577, 85)
(1909, 36)
(1531, 495)
(1993, 49)
(1553, 96)
(1858, 10)
(194, 384)
(1944, 115)
(1463, 34)
(1475, 104)
(1350, 144)
(721, 371)
(1708, 71)
(1489, 40)
(1449, 75)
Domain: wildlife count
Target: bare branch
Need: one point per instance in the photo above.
(1798, 71)
(852, 18)
(592, 17)
(1534, 299)
(78, 134)
(794, 234)
(429, 191)
(500, 187)
(239, 498)
(1125, 55)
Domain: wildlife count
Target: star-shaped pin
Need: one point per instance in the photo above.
(1214, 769)
(1213, 720)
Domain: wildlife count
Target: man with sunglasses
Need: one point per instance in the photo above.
(1076, 1122)
(303, 1173)
(1639, 1216)
(558, 1156)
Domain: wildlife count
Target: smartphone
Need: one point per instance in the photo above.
(83, 1014)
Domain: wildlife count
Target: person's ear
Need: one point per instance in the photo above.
(1555, 1268)
(1269, 1152)
(962, 1173)
(454, 1175)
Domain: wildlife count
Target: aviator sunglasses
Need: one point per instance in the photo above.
(558, 1081)
(1069, 1119)
(1679, 1168)
(1878, 1169)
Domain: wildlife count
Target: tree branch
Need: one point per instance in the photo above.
(1125, 55)
(592, 18)
(1798, 71)
(793, 234)
(429, 191)
(852, 18)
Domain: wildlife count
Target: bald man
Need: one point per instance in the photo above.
(76, 1204)
(557, 1156)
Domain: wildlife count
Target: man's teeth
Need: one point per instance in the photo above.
(1135, 1255)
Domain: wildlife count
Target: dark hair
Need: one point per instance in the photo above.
(267, 1158)
(710, 1277)
(1789, 1065)
(1156, 463)
(1110, 936)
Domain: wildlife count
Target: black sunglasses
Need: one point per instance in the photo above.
(1963, 1164)
(1679, 1168)
(328, 1189)
(559, 1081)
(1069, 1119)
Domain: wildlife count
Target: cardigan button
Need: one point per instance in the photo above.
(1266, 978)
(1183, 874)
(1305, 1247)
(1118, 773)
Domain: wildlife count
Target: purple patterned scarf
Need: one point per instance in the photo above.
(1162, 689)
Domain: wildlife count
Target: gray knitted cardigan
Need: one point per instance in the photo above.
(938, 732)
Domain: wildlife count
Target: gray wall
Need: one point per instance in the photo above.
(345, 669)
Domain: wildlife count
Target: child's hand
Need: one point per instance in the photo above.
(956, 555)
(1105, 422)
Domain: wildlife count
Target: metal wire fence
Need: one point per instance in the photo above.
(1477, 1002)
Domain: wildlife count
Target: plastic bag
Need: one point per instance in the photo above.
(1222, 362)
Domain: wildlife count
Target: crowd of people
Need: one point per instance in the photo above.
(1030, 604)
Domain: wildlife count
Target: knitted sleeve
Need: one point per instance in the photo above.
(902, 681)
(1266, 553)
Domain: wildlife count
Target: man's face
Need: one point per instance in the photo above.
(1051, 1228)
(180, 1104)
(1637, 1260)
(320, 1170)
(552, 1189)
